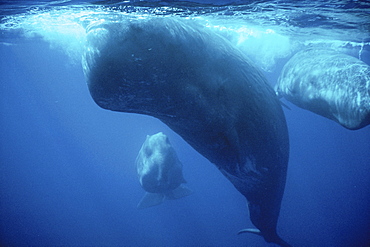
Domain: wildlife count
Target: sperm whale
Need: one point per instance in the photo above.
(204, 89)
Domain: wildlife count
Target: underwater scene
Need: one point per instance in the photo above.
(185, 123)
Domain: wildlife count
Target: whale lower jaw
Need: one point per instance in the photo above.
(268, 238)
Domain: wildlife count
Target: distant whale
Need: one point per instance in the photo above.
(328, 83)
(159, 171)
(205, 90)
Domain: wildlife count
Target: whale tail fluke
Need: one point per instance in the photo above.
(179, 192)
(150, 200)
(285, 105)
(271, 239)
(153, 199)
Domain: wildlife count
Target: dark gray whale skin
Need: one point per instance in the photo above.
(204, 89)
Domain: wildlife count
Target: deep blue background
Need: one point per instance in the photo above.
(67, 173)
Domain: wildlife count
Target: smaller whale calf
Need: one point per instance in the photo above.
(159, 171)
(328, 83)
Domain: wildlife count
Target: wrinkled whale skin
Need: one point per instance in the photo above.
(205, 90)
(331, 84)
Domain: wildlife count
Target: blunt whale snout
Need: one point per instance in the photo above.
(204, 89)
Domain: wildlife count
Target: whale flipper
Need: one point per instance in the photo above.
(150, 200)
(250, 230)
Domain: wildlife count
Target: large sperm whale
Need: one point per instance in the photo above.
(204, 89)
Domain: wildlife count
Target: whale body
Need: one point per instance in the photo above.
(328, 83)
(159, 171)
(204, 89)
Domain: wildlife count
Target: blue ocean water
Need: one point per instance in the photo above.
(67, 171)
